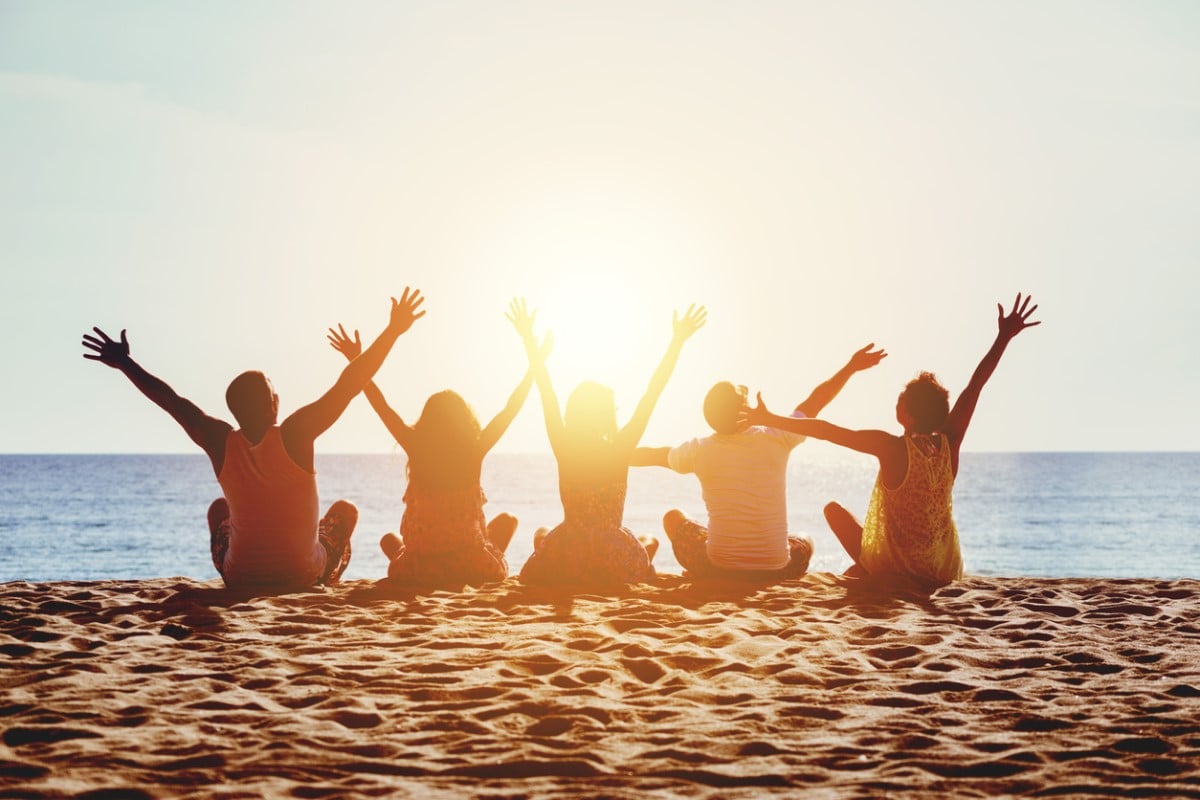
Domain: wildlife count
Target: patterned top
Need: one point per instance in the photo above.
(910, 530)
(445, 540)
(590, 546)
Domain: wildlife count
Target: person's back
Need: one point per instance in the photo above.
(273, 514)
(592, 546)
(743, 482)
(909, 529)
(743, 479)
(265, 532)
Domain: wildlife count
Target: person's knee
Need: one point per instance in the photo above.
(391, 545)
(503, 521)
(218, 512)
(673, 520)
(344, 509)
(801, 545)
(835, 511)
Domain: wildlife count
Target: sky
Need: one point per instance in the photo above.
(227, 180)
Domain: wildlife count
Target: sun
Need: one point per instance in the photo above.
(601, 329)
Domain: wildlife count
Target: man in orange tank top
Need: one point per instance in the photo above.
(265, 532)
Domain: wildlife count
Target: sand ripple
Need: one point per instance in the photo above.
(173, 687)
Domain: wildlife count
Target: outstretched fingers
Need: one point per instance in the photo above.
(1017, 319)
(692, 320)
(104, 348)
(520, 316)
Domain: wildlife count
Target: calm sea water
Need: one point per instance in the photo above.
(1034, 514)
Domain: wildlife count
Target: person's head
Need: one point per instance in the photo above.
(446, 442)
(722, 406)
(252, 400)
(591, 412)
(923, 405)
(448, 419)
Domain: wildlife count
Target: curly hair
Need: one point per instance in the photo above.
(927, 403)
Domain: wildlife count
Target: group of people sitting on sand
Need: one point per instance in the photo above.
(266, 531)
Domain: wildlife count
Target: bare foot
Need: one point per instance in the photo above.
(651, 545)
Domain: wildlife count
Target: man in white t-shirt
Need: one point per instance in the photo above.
(743, 479)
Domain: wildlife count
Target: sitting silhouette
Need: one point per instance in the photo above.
(264, 533)
(591, 546)
(909, 530)
(444, 539)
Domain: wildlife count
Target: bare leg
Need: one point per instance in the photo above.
(539, 536)
(848, 531)
(391, 545)
(688, 541)
(672, 520)
(334, 532)
(218, 512)
(218, 533)
(501, 529)
(651, 545)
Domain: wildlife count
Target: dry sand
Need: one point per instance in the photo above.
(818, 686)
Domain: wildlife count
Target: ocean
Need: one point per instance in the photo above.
(1113, 515)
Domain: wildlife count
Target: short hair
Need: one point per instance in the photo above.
(927, 403)
(722, 404)
(249, 397)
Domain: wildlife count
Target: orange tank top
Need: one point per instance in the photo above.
(910, 530)
(273, 512)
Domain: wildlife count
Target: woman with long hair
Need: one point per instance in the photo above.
(591, 546)
(444, 538)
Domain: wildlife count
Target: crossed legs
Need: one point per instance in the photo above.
(499, 532)
(333, 532)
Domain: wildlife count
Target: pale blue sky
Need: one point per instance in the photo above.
(228, 179)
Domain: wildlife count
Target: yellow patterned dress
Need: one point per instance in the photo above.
(910, 530)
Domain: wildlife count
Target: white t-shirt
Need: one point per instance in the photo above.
(743, 479)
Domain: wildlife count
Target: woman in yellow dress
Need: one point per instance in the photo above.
(909, 529)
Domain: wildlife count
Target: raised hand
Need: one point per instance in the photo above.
(1016, 320)
(866, 358)
(404, 311)
(756, 415)
(521, 317)
(339, 340)
(692, 321)
(105, 350)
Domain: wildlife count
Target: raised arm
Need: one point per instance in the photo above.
(208, 432)
(880, 444)
(523, 320)
(307, 423)
(1009, 325)
(821, 396)
(352, 348)
(683, 329)
(499, 424)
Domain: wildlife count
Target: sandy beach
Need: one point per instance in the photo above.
(822, 685)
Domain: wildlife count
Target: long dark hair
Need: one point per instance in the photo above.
(445, 453)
